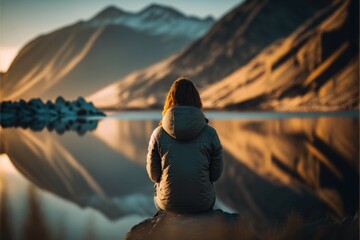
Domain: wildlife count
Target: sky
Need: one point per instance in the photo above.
(24, 20)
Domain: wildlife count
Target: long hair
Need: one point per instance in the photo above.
(182, 93)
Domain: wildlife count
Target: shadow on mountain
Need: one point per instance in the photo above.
(315, 68)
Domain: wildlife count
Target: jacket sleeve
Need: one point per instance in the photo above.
(153, 160)
(216, 161)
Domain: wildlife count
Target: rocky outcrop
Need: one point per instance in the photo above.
(220, 225)
(61, 115)
(165, 225)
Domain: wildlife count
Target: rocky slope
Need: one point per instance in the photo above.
(230, 44)
(81, 58)
(315, 68)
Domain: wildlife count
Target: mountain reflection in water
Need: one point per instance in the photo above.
(271, 167)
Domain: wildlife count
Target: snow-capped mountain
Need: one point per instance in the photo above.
(155, 20)
(79, 59)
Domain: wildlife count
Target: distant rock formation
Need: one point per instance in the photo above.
(62, 115)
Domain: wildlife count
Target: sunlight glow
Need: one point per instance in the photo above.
(7, 55)
(6, 165)
(51, 71)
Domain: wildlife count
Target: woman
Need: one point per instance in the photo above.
(184, 155)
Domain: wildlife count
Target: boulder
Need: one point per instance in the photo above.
(214, 224)
(35, 103)
(36, 114)
(217, 224)
(60, 101)
(81, 102)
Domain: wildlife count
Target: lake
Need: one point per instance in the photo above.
(86, 179)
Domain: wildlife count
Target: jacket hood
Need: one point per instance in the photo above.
(184, 122)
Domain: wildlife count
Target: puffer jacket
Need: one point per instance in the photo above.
(184, 159)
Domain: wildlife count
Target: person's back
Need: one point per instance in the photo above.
(184, 159)
(190, 154)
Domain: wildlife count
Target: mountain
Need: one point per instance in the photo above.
(316, 68)
(81, 58)
(230, 44)
(156, 20)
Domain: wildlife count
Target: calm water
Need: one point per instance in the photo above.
(87, 179)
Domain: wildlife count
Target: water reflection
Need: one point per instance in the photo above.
(59, 125)
(272, 167)
(311, 165)
(63, 219)
(39, 230)
(82, 170)
(5, 213)
(113, 133)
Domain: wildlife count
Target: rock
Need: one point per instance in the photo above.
(82, 102)
(214, 224)
(22, 103)
(60, 101)
(36, 114)
(330, 229)
(81, 112)
(35, 103)
(356, 217)
(5, 104)
(222, 225)
(65, 111)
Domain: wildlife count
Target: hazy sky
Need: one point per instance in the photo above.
(23, 20)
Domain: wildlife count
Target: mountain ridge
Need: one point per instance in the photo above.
(314, 69)
(109, 12)
(229, 45)
(154, 19)
(60, 62)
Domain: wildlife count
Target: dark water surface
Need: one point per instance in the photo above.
(93, 184)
